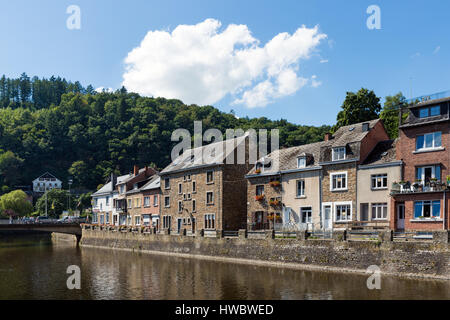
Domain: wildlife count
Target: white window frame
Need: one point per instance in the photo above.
(165, 204)
(206, 199)
(146, 203)
(258, 187)
(344, 203)
(155, 200)
(303, 188)
(212, 175)
(301, 162)
(137, 220)
(194, 205)
(375, 177)
(194, 186)
(335, 153)
(434, 146)
(166, 183)
(378, 207)
(332, 175)
(180, 188)
(208, 217)
(307, 210)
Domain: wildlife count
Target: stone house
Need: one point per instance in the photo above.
(205, 195)
(340, 156)
(375, 177)
(283, 190)
(422, 202)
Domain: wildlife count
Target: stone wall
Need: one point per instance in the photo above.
(411, 259)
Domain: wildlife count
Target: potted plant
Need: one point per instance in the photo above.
(258, 171)
(259, 197)
(274, 202)
(275, 183)
(448, 180)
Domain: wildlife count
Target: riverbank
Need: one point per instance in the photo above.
(423, 260)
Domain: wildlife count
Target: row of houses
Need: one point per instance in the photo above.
(354, 178)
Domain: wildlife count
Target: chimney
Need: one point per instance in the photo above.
(328, 136)
(113, 181)
(136, 170)
(365, 127)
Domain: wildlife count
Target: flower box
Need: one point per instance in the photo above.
(274, 202)
(259, 197)
(274, 183)
(258, 171)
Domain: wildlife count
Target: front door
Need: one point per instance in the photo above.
(179, 224)
(401, 216)
(327, 222)
(115, 220)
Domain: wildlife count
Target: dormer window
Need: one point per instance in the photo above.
(338, 153)
(429, 111)
(135, 186)
(301, 162)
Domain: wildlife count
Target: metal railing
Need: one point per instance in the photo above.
(412, 235)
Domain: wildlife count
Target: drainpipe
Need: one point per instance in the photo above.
(322, 225)
(445, 210)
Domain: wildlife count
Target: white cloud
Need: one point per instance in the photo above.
(103, 89)
(324, 61)
(437, 49)
(315, 83)
(416, 55)
(202, 64)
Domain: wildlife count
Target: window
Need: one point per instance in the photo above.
(306, 214)
(194, 206)
(188, 177)
(343, 212)
(209, 177)
(167, 183)
(180, 188)
(102, 219)
(301, 162)
(429, 111)
(180, 206)
(189, 196)
(146, 201)
(194, 187)
(210, 220)
(209, 198)
(135, 186)
(129, 203)
(122, 188)
(94, 217)
(379, 211)
(107, 200)
(427, 209)
(259, 190)
(429, 141)
(167, 221)
(107, 219)
(184, 178)
(427, 173)
(155, 200)
(300, 188)
(184, 196)
(96, 201)
(137, 220)
(167, 201)
(338, 181)
(379, 181)
(338, 153)
(137, 202)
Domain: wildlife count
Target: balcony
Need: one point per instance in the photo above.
(406, 187)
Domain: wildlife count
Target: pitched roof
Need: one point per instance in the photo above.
(107, 188)
(351, 133)
(384, 152)
(188, 160)
(46, 175)
(153, 183)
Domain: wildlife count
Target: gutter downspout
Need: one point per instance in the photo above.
(322, 225)
(445, 210)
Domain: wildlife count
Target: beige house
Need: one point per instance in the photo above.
(374, 181)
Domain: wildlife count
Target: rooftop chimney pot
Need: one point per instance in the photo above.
(328, 136)
(136, 170)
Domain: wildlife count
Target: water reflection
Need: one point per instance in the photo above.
(39, 272)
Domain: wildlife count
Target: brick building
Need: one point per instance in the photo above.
(205, 195)
(151, 196)
(421, 200)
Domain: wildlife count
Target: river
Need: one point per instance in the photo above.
(32, 267)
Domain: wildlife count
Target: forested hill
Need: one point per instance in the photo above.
(61, 127)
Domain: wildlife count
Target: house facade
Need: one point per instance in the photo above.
(205, 196)
(102, 202)
(151, 206)
(46, 182)
(375, 177)
(421, 201)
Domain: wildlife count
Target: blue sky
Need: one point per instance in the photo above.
(410, 53)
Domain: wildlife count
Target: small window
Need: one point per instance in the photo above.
(167, 202)
(209, 197)
(129, 204)
(338, 181)
(180, 188)
(379, 211)
(194, 206)
(300, 188)
(379, 181)
(209, 177)
(180, 206)
(146, 201)
(260, 190)
(301, 162)
(306, 214)
(167, 221)
(194, 187)
(137, 220)
(184, 178)
(155, 200)
(338, 154)
(188, 177)
(343, 213)
(210, 221)
(167, 183)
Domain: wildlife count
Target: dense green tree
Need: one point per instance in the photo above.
(15, 203)
(57, 202)
(83, 202)
(10, 166)
(390, 113)
(358, 107)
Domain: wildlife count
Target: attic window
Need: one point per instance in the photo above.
(384, 154)
(351, 129)
(338, 153)
(301, 162)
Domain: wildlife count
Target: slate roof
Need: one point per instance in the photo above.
(107, 188)
(47, 175)
(351, 133)
(384, 152)
(184, 162)
(153, 183)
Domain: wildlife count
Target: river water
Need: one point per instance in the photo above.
(33, 268)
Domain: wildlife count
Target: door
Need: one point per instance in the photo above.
(115, 220)
(193, 225)
(327, 221)
(179, 224)
(401, 216)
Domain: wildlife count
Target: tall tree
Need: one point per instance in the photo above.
(390, 113)
(358, 107)
(15, 203)
(25, 88)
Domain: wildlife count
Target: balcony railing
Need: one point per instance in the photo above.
(408, 187)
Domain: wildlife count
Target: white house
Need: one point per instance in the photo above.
(47, 181)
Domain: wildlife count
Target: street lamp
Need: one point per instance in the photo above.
(70, 181)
